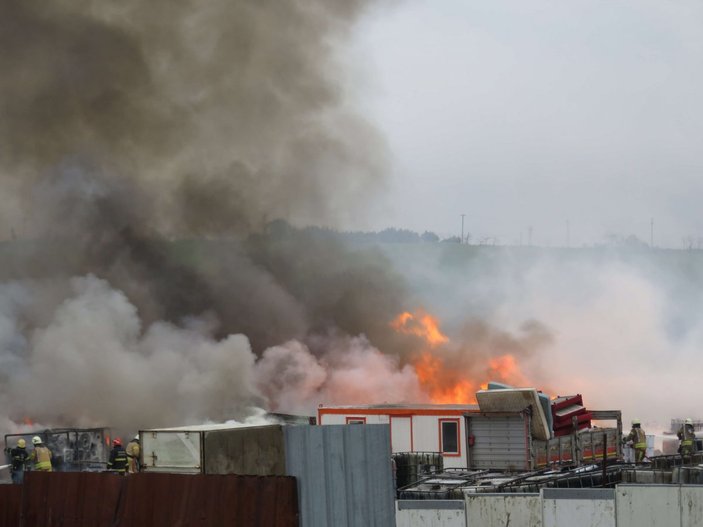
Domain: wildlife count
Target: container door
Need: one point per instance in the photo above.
(170, 451)
(500, 442)
(401, 434)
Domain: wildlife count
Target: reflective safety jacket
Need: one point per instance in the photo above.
(41, 457)
(638, 438)
(687, 437)
(133, 457)
(19, 458)
(118, 460)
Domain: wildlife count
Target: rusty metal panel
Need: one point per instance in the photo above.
(159, 499)
(10, 505)
(257, 451)
(80, 499)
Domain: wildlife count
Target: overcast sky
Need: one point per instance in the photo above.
(534, 113)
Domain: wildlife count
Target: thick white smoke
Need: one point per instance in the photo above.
(625, 327)
(94, 364)
(351, 371)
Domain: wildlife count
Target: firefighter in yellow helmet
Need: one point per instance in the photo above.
(132, 451)
(18, 456)
(639, 440)
(40, 456)
(687, 435)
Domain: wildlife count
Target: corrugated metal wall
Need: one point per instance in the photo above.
(101, 499)
(500, 442)
(170, 499)
(81, 499)
(10, 505)
(343, 473)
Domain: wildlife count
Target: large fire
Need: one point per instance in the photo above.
(421, 325)
(448, 375)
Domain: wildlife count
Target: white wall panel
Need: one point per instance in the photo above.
(691, 506)
(578, 507)
(493, 510)
(648, 505)
(401, 434)
(444, 513)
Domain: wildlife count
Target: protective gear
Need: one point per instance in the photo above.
(635, 422)
(41, 457)
(118, 458)
(117, 442)
(136, 438)
(639, 441)
(132, 451)
(36, 440)
(687, 436)
(21, 443)
(18, 456)
(689, 421)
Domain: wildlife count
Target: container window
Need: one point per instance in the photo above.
(449, 434)
(356, 420)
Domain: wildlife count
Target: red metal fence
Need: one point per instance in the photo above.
(10, 505)
(81, 499)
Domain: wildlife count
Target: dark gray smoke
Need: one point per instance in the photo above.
(155, 158)
(125, 126)
(131, 135)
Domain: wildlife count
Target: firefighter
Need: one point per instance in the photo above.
(19, 456)
(132, 452)
(40, 456)
(118, 458)
(638, 438)
(688, 437)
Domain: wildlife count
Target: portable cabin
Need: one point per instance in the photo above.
(414, 428)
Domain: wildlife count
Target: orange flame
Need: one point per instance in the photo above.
(421, 325)
(444, 378)
(27, 421)
(505, 369)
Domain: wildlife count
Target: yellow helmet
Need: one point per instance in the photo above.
(21, 443)
(635, 422)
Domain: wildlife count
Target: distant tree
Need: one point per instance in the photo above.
(393, 235)
(279, 229)
(430, 237)
(452, 239)
(630, 241)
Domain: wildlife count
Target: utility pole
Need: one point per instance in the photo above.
(651, 233)
(529, 236)
(462, 227)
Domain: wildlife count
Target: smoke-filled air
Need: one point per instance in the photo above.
(172, 174)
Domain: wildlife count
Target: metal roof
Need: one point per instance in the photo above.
(467, 407)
